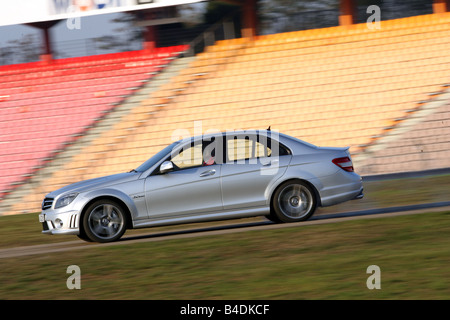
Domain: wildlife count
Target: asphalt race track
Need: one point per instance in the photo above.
(226, 229)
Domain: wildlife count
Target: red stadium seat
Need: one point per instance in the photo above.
(43, 106)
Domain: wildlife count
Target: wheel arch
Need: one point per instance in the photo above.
(129, 221)
(308, 183)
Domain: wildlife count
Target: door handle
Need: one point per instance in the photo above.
(208, 173)
(271, 162)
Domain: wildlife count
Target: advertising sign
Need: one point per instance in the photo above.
(28, 11)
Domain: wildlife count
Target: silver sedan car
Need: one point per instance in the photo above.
(210, 177)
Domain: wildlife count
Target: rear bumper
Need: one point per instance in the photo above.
(360, 195)
(340, 187)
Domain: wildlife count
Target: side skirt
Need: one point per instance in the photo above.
(222, 215)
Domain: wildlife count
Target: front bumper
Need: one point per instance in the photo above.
(60, 223)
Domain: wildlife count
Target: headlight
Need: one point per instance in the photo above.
(65, 200)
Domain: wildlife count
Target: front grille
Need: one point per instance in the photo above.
(47, 203)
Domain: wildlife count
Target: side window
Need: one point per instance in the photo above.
(282, 150)
(200, 153)
(188, 157)
(262, 150)
(239, 149)
(213, 151)
(205, 153)
(250, 147)
(247, 147)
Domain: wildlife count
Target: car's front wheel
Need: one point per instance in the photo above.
(104, 221)
(293, 201)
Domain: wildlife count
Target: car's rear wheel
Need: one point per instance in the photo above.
(104, 221)
(293, 201)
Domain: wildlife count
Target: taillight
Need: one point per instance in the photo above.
(344, 163)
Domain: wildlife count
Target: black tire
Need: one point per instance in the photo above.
(293, 201)
(84, 237)
(104, 221)
(272, 217)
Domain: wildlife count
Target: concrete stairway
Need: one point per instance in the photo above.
(420, 142)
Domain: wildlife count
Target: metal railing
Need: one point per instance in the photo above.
(202, 36)
(304, 20)
(197, 39)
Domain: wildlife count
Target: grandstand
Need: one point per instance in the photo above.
(47, 106)
(339, 86)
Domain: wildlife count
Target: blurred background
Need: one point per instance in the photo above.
(90, 88)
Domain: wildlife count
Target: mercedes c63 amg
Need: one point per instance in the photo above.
(210, 177)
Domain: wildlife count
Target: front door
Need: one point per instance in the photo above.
(193, 186)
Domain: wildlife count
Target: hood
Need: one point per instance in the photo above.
(96, 183)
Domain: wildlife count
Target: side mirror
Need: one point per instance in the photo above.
(166, 166)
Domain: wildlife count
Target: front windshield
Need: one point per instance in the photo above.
(156, 158)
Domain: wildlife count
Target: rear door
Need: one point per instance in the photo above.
(250, 166)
